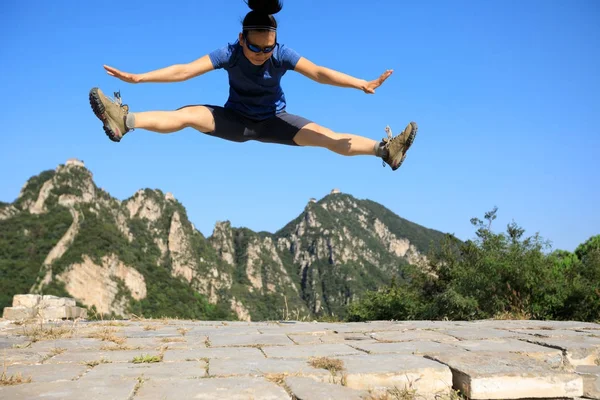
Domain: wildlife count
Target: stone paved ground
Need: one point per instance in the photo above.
(174, 359)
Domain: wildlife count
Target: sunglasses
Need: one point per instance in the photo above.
(257, 49)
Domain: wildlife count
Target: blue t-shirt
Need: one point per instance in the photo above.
(255, 90)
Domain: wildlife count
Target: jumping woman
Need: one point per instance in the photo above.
(256, 107)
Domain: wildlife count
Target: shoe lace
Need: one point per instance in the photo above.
(388, 130)
(387, 140)
(118, 99)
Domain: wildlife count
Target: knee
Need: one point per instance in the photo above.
(197, 117)
(185, 116)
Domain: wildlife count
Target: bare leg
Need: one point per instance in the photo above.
(197, 117)
(345, 144)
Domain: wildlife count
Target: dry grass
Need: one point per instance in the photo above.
(57, 350)
(114, 323)
(119, 347)
(183, 331)
(37, 333)
(53, 352)
(408, 393)
(394, 394)
(333, 365)
(108, 335)
(512, 316)
(279, 380)
(172, 340)
(138, 385)
(93, 363)
(150, 328)
(16, 379)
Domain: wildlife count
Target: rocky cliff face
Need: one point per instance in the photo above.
(143, 255)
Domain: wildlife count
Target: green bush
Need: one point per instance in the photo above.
(495, 275)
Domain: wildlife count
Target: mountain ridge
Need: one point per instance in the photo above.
(145, 246)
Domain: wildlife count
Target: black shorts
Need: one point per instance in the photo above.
(233, 126)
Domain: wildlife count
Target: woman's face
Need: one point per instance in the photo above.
(258, 41)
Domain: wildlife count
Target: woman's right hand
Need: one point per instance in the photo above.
(124, 76)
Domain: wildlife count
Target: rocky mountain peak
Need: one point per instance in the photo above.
(143, 255)
(222, 241)
(70, 183)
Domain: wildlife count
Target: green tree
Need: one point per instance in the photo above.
(398, 301)
(494, 275)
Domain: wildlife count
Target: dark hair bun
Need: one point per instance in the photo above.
(265, 6)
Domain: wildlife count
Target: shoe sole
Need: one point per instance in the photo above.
(100, 112)
(409, 142)
(412, 136)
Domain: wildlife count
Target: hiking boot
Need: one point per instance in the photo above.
(112, 113)
(398, 146)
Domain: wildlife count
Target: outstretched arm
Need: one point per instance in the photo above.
(335, 78)
(173, 73)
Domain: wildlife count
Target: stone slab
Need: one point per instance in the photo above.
(12, 342)
(265, 366)
(413, 347)
(580, 350)
(213, 353)
(22, 356)
(382, 326)
(306, 338)
(307, 351)
(239, 388)
(551, 356)
(491, 375)
(123, 356)
(47, 372)
(231, 330)
(26, 300)
(55, 301)
(377, 372)
(61, 312)
(532, 324)
(159, 370)
(349, 338)
(373, 326)
(19, 313)
(140, 332)
(469, 333)
(309, 389)
(68, 344)
(140, 344)
(413, 334)
(175, 343)
(553, 333)
(76, 390)
(378, 363)
(591, 380)
(300, 328)
(266, 339)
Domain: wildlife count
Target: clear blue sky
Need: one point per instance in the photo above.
(505, 92)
